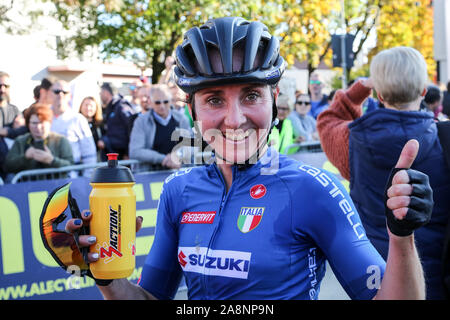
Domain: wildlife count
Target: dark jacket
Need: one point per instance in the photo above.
(117, 117)
(375, 142)
(446, 103)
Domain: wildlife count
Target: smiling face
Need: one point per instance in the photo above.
(303, 104)
(88, 108)
(234, 119)
(160, 100)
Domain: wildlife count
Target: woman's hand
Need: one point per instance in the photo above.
(73, 225)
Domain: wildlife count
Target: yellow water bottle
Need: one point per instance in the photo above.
(113, 206)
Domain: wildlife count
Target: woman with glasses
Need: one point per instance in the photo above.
(151, 137)
(305, 121)
(255, 224)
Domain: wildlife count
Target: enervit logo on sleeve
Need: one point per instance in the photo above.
(198, 217)
(224, 263)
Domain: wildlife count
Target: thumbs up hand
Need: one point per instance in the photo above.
(408, 195)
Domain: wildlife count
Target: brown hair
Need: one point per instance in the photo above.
(42, 111)
(98, 116)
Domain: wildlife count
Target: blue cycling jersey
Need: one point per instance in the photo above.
(268, 237)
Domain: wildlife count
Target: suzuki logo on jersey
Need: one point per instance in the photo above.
(198, 217)
(258, 191)
(249, 218)
(223, 263)
(181, 260)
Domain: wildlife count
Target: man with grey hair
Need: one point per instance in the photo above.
(151, 137)
(364, 149)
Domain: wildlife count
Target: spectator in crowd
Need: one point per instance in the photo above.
(92, 111)
(179, 102)
(432, 102)
(178, 97)
(36, 93)
(282, 135)
(40, 148)
(45, 94)
(319, 101)
(151, 137)
(11, 124)
(446, 101)
(143, 96)
(167, 74)
(73, 126)
(134, 88)
(364, 149)
(307, 130)
(117, 115)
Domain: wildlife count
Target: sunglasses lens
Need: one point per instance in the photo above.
(61, 245)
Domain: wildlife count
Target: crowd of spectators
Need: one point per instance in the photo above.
(141, 126)
(52, 132)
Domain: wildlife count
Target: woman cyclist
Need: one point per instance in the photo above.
(256, 224)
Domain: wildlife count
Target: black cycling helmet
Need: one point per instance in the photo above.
(262, 62)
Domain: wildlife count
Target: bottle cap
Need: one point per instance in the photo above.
(113, 172)
(112, 159)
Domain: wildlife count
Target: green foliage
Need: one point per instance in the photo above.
(147, 31)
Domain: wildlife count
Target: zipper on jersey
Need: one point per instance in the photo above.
(225, 196)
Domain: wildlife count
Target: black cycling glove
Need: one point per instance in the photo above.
(419, 209)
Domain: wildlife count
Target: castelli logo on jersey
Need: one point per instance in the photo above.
(258, 191)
